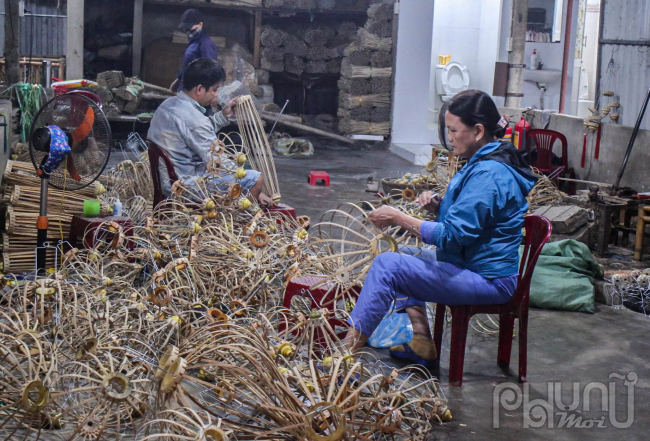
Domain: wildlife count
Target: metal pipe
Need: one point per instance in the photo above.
(599, 60)
(46, 73)
(41, 225)
(567, 54)
(633, 138)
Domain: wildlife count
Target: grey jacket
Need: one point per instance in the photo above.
(180, 127)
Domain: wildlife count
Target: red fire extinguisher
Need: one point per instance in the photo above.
(520, 133)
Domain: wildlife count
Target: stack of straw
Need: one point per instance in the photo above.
(319, 50)
(367, 76)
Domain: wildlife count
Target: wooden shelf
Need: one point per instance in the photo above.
(243, 7)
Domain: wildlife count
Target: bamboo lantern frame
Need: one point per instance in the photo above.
(257, 145)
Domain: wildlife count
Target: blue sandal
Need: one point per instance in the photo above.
(407, 353)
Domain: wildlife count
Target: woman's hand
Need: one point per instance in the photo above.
(429, 201)
(384, 216)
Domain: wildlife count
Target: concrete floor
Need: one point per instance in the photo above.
(563, 347)
(349, 171)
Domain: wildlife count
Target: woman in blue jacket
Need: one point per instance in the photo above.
(477, 233)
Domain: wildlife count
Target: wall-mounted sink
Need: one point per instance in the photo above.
(546, 76)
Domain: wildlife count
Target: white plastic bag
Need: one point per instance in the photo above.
(395, 329)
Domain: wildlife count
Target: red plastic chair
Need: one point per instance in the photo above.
(538, 230)
(301, 287)
(544, 140)
(90, 95)
(155, 154)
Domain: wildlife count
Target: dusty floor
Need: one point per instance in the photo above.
(349, 171)
(564, 348)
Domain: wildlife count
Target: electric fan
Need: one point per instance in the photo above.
(69, 145)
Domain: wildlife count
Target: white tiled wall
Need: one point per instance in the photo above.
(468, 30)
(412, 76)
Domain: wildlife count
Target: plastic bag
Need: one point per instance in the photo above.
(292, 147)
(395, 329)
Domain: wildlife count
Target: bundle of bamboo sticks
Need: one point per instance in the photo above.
(368, 40)
(366, 128)
(22, 222)
(21, 201)
(27, 198)
(23, 173)
(349, 70)
(349, 101)
(22, 260)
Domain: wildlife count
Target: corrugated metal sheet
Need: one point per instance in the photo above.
(40, 36)
(625, 69)
(627, 20)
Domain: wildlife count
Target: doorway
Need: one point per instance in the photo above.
(586, 58)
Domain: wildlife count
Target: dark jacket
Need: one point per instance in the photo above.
(200, 46)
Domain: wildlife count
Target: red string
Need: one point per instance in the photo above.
(584, 151)
(597, 152)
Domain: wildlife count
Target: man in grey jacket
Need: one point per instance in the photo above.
(181, 128)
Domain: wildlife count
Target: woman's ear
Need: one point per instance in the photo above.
(480, 131)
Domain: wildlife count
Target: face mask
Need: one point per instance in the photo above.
(193, 33)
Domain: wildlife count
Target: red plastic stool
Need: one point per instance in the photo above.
(300, 287)
(315, 176)
(283, 209)
(86, 227)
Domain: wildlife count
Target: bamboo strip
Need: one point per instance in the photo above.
(257, 145)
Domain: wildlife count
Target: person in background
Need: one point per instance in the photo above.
(200, 45)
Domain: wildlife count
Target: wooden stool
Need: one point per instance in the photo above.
(300, 287)
(283, 209)
(86, 227)
(315, 176)
(644, 217)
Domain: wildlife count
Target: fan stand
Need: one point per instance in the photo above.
(42, 224)
(60, 125)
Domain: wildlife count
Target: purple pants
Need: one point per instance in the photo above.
(414, 277)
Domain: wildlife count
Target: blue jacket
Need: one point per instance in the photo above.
(482, 214)
(200, 46)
